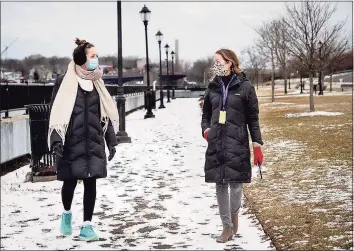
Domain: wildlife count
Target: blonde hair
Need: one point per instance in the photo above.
(230, 56)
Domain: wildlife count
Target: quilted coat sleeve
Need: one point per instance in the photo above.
(207, 112)
(110, 136)
(54, 137)
(252, 111)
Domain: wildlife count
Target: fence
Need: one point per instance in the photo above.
(14, 96)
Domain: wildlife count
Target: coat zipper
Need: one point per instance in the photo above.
(223, 131)
(86, 135)
(223, 153)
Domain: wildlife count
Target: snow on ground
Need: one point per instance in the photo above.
(277, 104)
(281, 105)
(312, 114)
(154, 196)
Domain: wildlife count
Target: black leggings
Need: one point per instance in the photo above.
(67, 194)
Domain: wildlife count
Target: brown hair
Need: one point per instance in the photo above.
(79, 54)
(229, 55)
(80, 42)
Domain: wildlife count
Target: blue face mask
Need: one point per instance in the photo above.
(92, 64)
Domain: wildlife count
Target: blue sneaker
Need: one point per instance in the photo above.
(65, 226)
(88, 234)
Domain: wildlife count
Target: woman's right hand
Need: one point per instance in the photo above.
(206, 133)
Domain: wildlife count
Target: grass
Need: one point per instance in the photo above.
(305, 201)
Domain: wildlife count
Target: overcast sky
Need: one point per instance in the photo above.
(49, 28)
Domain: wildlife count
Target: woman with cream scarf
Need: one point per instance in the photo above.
(83, 118)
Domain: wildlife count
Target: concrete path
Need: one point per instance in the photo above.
(154, 196)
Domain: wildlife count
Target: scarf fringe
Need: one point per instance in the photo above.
(61, 131)
(105, 120)
(115, 124)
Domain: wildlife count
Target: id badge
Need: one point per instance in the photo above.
(222, 117)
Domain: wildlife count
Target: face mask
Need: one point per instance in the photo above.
(92, 64)
(219, 70)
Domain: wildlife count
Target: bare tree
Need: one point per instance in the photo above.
(278, 31)
(255, 63)
(307, 24)
(266, 45)
(333, 52)
(199, 70)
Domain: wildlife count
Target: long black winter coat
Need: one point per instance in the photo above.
(84, 150)
(227, 159)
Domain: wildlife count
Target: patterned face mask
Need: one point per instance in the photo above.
(219, 69)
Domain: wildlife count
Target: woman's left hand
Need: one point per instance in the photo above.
(258, 155)
(112, 152)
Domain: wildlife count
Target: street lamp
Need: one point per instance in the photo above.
(145, 14)
(122, 136)
(159, 37)
(168, 82)
(173, 74)
(320, 70)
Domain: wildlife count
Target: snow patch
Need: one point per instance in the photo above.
(312, 114)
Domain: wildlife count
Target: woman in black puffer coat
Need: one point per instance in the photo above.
(230, 107)
(82, 112)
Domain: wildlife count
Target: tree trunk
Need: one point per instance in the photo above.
(312, 101)
(273, 71)
(285, 83)
(330, 81)
(323, 81)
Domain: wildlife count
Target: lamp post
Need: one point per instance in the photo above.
(122, 136)
(168, 76)
(145, 14)
(173, 74)
(159, 37)
(320, 84)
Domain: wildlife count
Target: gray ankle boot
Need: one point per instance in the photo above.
(226, 235)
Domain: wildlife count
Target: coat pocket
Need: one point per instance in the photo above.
(208, 137)
(62, 164)
(63, 167)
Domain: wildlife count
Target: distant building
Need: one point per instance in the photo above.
(11, 75)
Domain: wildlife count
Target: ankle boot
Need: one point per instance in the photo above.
(235, 222)
(225, 236)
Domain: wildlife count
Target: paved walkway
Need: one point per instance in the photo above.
(154, 196)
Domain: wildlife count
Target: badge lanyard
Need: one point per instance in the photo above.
(225, 91)
(224, 95)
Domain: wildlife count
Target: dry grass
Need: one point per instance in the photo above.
(305, 201)
(267, 91)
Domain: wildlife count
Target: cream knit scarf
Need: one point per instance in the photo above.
(65, 99)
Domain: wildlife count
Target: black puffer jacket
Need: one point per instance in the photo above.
(227, 159)
(84, 150)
